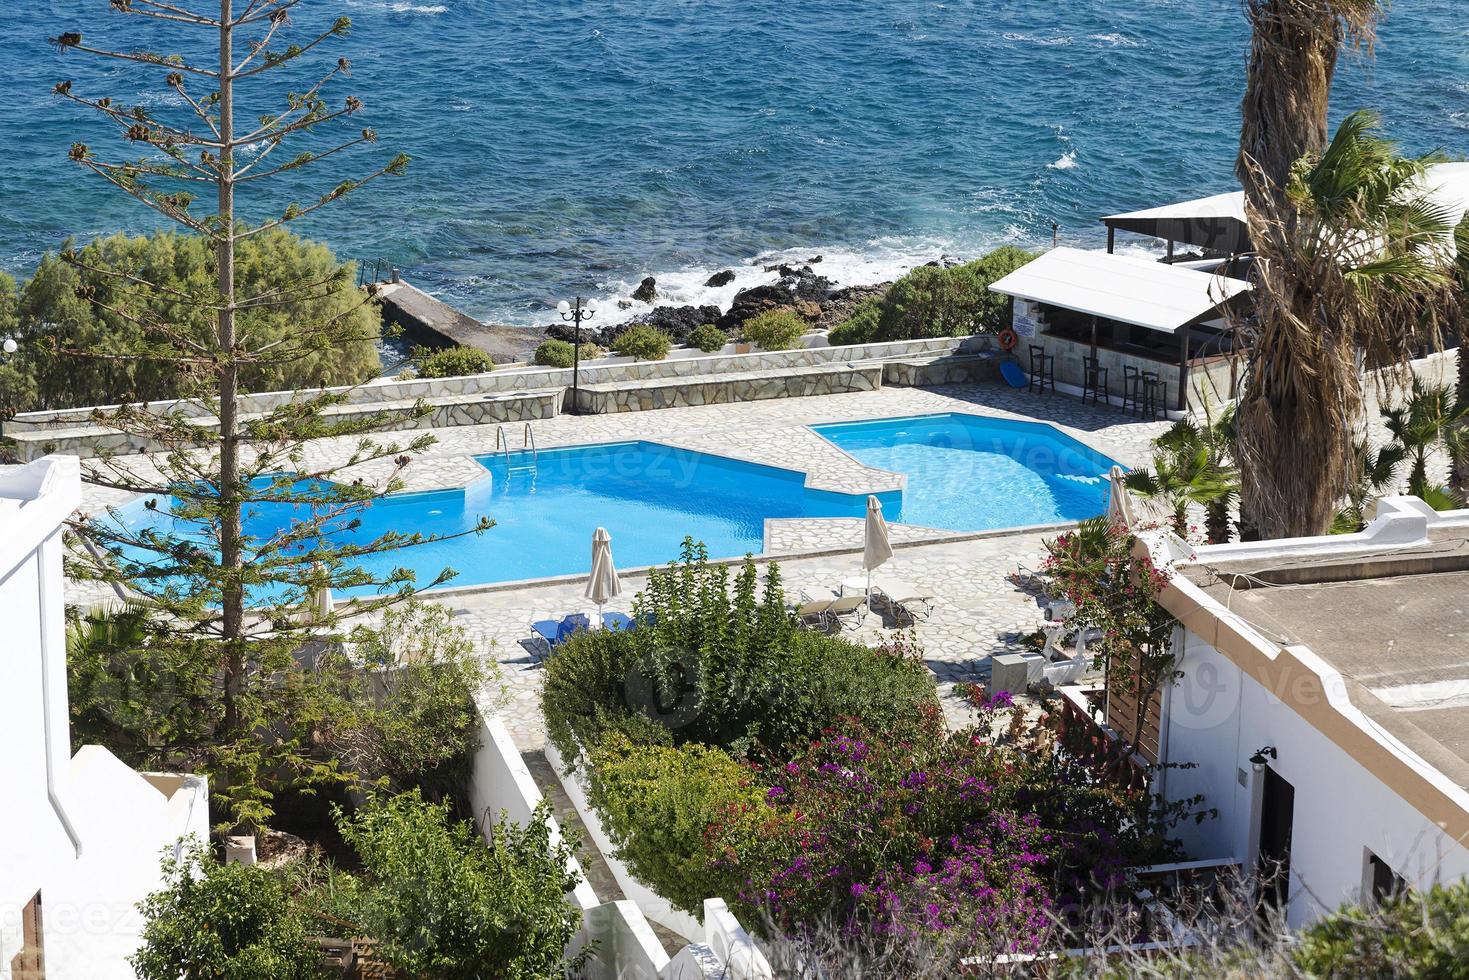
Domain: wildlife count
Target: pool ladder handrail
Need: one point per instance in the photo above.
(528, 442)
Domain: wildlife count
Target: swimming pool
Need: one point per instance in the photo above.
(973, 473)
(964, 473)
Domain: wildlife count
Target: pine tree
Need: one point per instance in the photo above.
(251, 521)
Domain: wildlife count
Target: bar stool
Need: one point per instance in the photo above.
(1154, 394)
(1042, 369)
(1094, 381)
(1132, 390)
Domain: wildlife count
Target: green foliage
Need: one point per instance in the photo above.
(1428, 418)
(708, 338)
(443, 904)
(723, 664)
(935, 302)
(1376, 468)
(559, 353)
(1417, 935)
(152, 704)
(214, 921)
(860, 327)
(643, 342)
(402, 713)
(72, 304)
(1191, 466)
(774, 329)
(657, 804)
(451, 362)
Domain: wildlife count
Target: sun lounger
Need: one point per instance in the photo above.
(847, 611)
(813, 612)
(904, 600)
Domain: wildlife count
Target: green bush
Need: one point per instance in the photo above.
(444, 903)
(936, 302)
(1416, 934)
(722, 664)
(560, 354)
(860, 327)
(451, 362)
(583, 698)
(49, 312)
(215, 920)
(774, 329)
(657, 805)
(642, 342)
(402, 713)
(708, 338)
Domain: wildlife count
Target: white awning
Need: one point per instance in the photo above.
(1120, 287)
(1218, 222)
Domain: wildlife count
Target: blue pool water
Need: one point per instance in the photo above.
(965, 473)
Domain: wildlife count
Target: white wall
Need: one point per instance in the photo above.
(86, 832)
(1217, 717)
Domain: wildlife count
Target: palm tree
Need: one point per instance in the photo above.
(1459, 461)
(1190, 468)
(1428, 418)
(1352, 271)
(1376, 470)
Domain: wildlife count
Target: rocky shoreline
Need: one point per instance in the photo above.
(801, 289)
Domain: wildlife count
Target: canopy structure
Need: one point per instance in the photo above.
(1147, 294)
(1216, 223)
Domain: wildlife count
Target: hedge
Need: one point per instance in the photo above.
(560, 354)
(774, 330)
(642, 342)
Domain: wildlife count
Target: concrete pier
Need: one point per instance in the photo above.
(434, 323)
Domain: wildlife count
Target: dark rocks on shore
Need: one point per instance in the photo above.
(647, 290)
(720, 279)
(841, 303)
(676, 321)
(799, 289)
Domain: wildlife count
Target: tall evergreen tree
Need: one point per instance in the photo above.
(251, 522)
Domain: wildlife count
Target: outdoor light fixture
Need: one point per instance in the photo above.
(1261, 755)
(9, 346)
(583, 310)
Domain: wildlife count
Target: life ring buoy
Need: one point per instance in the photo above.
(1008, 339)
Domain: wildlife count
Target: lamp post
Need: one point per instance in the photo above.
(583, 310)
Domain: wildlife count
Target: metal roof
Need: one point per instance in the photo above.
(1119, 287)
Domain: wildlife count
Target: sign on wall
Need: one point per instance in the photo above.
(1026, 319)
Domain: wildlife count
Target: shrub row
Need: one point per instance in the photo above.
(932, 301)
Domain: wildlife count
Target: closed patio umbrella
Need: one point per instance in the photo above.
(876, 548)
(1120, 506)
(603, 586)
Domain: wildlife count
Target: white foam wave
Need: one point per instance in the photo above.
(882, 261)
(402, 7)
(1067, 161)
(1113, 40)
(1053, 41)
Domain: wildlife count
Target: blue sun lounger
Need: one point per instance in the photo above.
(1014, 374)
(553, 632)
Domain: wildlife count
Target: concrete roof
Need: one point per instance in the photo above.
(1120, 287)
(1394, 624)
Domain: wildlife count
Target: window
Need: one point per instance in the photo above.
(1382, 881)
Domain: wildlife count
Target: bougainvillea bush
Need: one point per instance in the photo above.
(971, 838)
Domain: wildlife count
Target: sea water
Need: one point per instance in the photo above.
(564, 147)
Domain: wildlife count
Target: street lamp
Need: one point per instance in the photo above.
(583, 310)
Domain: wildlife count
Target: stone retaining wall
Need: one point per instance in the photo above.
(682, 393)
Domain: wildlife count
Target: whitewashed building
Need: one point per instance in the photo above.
(81, 836)
(1324, 701)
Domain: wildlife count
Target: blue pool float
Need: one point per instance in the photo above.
(1014, 374)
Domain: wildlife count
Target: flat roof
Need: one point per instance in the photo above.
(1121, 287)
(1394, 624)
